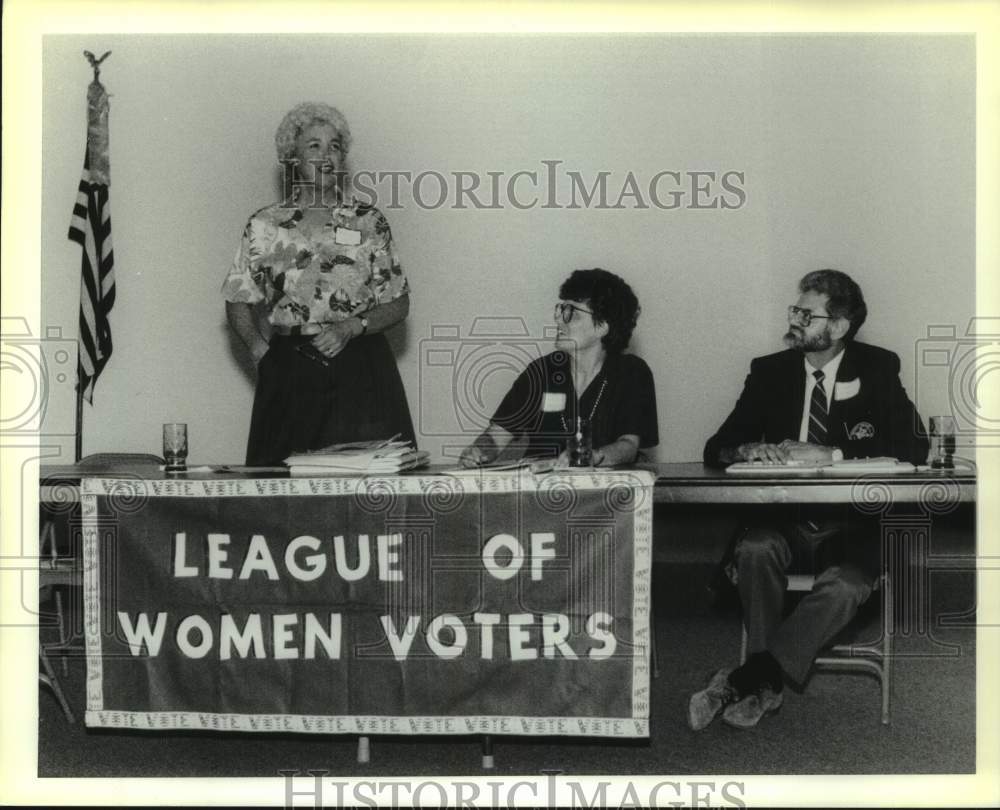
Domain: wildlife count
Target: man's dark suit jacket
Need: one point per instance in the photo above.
(870, 414)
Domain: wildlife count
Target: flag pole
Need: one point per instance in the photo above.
(78, 452)
(90, 227)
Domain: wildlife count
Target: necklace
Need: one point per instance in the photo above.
(597, 401)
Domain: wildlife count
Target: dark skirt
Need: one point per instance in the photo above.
(300, 404)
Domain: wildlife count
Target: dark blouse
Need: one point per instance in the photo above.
(541, 406)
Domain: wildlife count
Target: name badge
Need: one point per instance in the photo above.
(846, 390)
(346, 236)
(553, 402)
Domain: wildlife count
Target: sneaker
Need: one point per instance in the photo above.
(705, 705)
(746, 713)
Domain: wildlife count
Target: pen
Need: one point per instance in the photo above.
(389, 441)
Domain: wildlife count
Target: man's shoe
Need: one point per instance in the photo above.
(746, 713)
(705, 705)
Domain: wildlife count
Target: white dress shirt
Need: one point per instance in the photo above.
(830, 370)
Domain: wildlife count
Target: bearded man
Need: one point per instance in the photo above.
(826, 397)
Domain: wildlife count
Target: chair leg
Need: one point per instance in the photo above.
(50, 680)
(47, 542)
(364, 750)
(61, 619)
(652, 649)
(850, 656)
(488, 762)
(888, 629)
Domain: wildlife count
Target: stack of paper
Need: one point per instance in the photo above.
(880, 465)
(385, 457)
(847, 468)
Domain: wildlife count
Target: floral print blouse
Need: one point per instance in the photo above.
(315, 275)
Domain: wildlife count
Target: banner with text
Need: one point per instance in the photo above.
(477, 603)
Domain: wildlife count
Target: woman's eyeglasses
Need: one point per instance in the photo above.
(803, 316)
(564, 311)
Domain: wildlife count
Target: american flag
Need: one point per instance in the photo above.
(91, 229)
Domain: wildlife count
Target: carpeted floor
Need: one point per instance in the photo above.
(832, 727)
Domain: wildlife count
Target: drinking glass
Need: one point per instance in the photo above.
(175, 446)
(943, 442)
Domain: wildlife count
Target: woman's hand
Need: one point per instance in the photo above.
(241, 319)
(258, 351)
(482, 451)
(622, 450)
(563, 461)
(335, 336)
(487, 447)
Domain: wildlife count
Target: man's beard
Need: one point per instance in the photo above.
(816, 343)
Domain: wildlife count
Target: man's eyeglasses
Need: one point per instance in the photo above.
(803, 316)
(564, 311)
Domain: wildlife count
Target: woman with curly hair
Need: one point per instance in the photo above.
(587, 378)
(324, 268)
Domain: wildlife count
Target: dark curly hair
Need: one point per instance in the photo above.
(611, 300)
(844, 294)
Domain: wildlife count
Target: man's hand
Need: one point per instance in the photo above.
(763, 451)
(334, 337)
(803, 451)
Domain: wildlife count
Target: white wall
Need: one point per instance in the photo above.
(858, 153)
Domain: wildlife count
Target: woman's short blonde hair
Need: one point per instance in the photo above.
(303, 115)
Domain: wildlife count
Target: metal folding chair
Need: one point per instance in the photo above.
(54, 573)
(58, 570)
(875, 658)
(103, 461)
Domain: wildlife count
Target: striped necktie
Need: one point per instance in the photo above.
(817, 411)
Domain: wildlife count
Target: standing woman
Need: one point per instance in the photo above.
(325, 268)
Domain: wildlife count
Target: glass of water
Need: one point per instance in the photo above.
(175, 446)
(943, 442)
